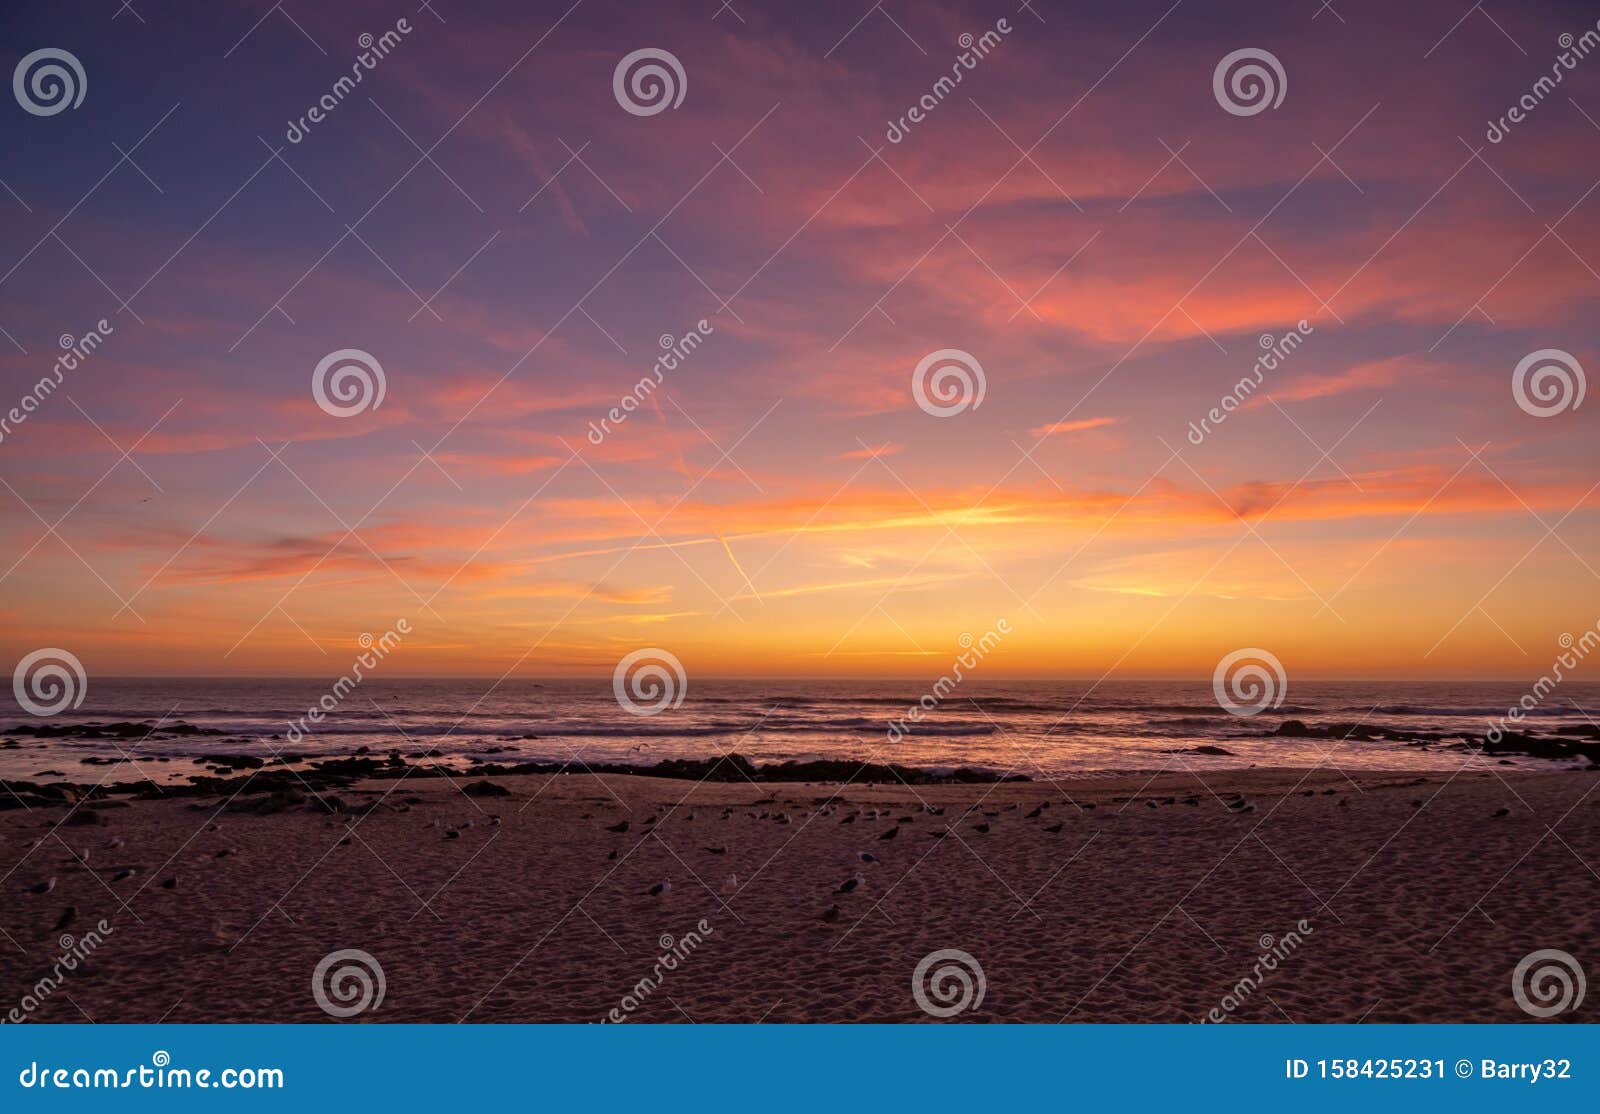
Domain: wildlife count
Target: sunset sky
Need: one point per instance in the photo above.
(1080, 214)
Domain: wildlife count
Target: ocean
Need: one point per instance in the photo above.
(1034, 728)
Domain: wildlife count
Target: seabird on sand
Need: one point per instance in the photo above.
(830, 914)
(866, 856)
(621, 826)
(658, 889)
(68, 915)
(849, 884)
(890, 834)
(43, 887)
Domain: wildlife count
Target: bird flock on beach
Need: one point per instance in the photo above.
(108, 860)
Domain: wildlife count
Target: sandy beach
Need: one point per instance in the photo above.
(1133, 898)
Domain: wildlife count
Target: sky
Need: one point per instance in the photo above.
(510, 238)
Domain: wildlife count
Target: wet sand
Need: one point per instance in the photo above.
(1417, 899)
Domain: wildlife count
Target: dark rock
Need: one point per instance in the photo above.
(486, 789)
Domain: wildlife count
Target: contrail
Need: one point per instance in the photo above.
(728, 549)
